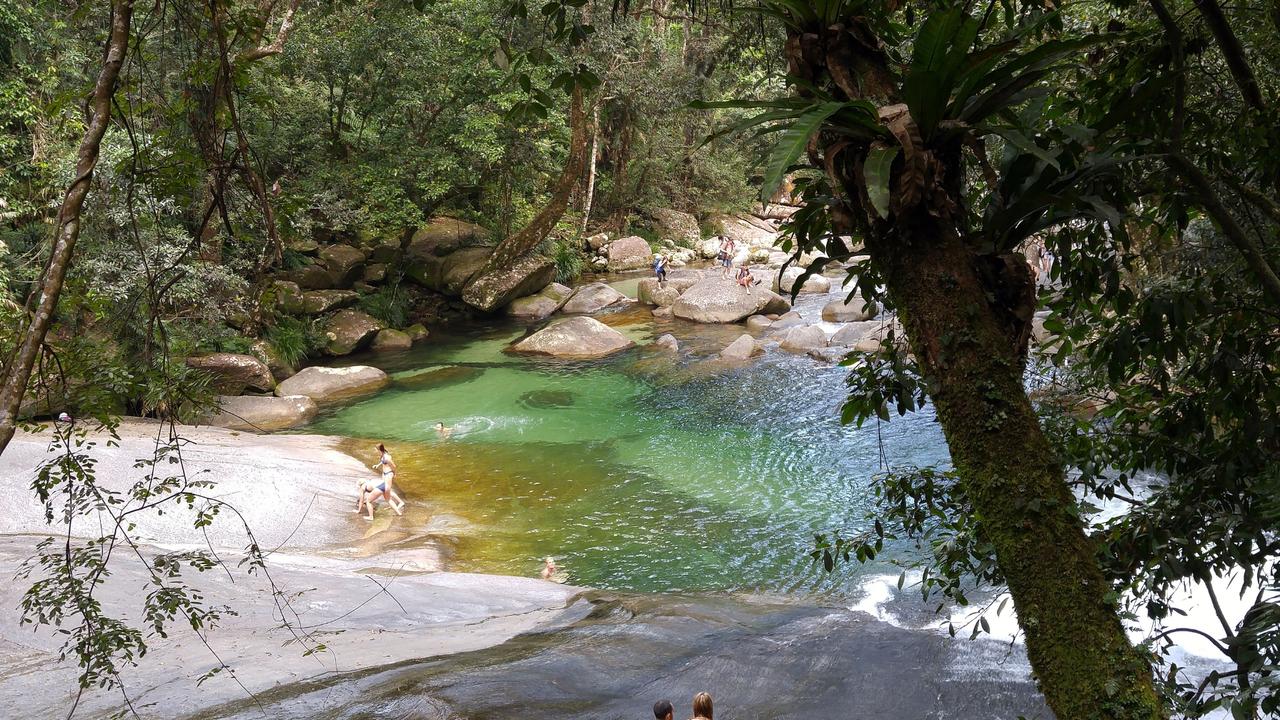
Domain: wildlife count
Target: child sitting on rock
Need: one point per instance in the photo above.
(745, 278)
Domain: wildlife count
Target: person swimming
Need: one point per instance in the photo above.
(443, 431)
(549, 568)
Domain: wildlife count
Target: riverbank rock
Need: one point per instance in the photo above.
(741, 350)
(851, 333)
(318, 302)
(829, 355)
(445, 254)
(233, 373)
(758, 323)
(667, 342)
(650, 293)
(786, 282)
(417, 332)
(390, 340)
(311, 277)
(744, 232)
(525, 276)
(717, 300)
(328, 385)
(575, 338)
(344, 263)
(350, 330)
(629, 253)
(803, 339)
(268, 354)
(598, 241)
(288, 297)
(678, 226)
(375, 273)
(541, 304)
(592, 298)
(855, 310)
(444, 235)
(788, 320)
(263, 413)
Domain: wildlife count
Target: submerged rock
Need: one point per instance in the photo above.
(263, 413)
(438, 377)
(390, 340)
(350, 330)
(593, 298)
(786, 282)
(578, 337)
(328, 385)
(547, 399)
(758, 323)
(667, 342)
(233, 373)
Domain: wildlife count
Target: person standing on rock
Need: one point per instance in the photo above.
(370, 492)
(660, 269)
(727, 249)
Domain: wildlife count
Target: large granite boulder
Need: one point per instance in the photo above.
(374, 273)
(429, 258)
(328, 385)
(232, 373)
(458, 269)
(775, 304)
(709, 248)
(445, 235)
(288, 297)
(592, 298)
(854, 310)
(350, 330)
(758, 323)
(803, 339)
(718, 300)
(629, 253)
(523, 277)
(680, 227)
(263, 413)
(384, 252)
(540, 304)
(344, 263)
(267, 353)
(390, 340)
(311, 277)
(745, 232)
(741, 350)
(786, 282)
(578, 337)
(318, 302)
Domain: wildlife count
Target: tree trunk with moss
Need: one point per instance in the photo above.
(967, 314)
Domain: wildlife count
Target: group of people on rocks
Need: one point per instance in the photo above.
(662, 710)
(724, 259)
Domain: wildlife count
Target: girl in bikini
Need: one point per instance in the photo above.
(369, 491)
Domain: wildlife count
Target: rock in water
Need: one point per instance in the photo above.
(578, 337)
(832, 355)
(803, 339)
(328, 385)
(667, 342)
(350, 330)
(853, 332)
(855, 310)
(541, 304)
(741, 350)
(717, 300)
(787, 281)
(547, 399)
(649, 292)
(233, 373)
(592, 298)
(438, 377)
(629, 253)
(390, 340)
(758, 323)
(523, 277)
(257, 413)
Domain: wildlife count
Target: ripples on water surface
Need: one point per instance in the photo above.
(638, 472)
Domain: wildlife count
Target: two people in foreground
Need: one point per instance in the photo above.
(369, 492)
(662, 709)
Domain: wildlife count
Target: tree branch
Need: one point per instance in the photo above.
(277, 45)
(1232, 52)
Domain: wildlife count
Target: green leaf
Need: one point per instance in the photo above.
(877, 171)
(792, 144)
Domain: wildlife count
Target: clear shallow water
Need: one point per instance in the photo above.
(638, 472)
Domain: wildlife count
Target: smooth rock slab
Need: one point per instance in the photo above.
(317, 302)
(629, 253)
(328, 385)
(758, 323)
(541, 304)
(717, 300)
(263, 413)
(592, 298)
(233, 373)
(575, 338)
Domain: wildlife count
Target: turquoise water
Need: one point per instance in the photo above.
(642, 471)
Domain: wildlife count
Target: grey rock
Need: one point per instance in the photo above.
(232, 373)
(803, 339)
(263, 413)
(578, 337)
(267, 353)
(317, 302)
(328, 386)
(541, 304)
(350, 330)
(344, 263)
(851, 333)
(675, 225)
(523, 277)
(629, 253)
(288, 297)
(855, 310)
(717, 300)
(741, 350)
(390, 340)
(785, 283)
(593, 298)
(667, 342)
(758, 323)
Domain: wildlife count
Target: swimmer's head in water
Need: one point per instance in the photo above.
(550, 560)
(439, 426)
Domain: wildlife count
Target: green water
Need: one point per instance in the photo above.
(641, 471)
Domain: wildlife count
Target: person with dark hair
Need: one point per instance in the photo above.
(369, 492)
(702, 706)
(662, 710)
